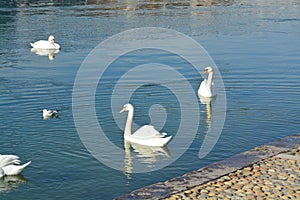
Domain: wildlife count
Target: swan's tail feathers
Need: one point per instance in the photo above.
(12, 170)
(26, 164)
(32, 44)
(22, 167)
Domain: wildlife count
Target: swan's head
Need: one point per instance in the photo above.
(208, 70)
(51, 39)
(126, 107)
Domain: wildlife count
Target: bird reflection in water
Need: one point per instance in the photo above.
(131, 5)
(8, 183)
(208, 101)
(144, 154)
(46, 52)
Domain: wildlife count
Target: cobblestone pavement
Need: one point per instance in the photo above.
(277, 177)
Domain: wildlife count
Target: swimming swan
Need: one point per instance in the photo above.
(44, 44)
(9, 165)
(146, 135)
(207, 88)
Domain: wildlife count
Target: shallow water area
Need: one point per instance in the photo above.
(254, 44)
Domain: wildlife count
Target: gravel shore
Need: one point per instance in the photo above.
(270, 171)
(277, 177)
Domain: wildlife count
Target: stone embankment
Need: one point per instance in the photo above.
(277, 177)
(271, 171)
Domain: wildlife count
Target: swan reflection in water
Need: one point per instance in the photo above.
(45, 52)
(208, 102)
(8, 183)
(144, 154)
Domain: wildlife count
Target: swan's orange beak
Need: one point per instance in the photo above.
(205, 71)
(123, 110)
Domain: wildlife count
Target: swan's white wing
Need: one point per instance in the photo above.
(204, 89)
(146, 132)
(14, 169)
(49, 113)
(1, 173)
(8, 159)
(44, 44)
(41, 44)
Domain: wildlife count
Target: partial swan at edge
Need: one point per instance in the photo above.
(10, 165)
(146, 135)
(207, 87)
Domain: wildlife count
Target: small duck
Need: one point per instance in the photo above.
(44, 44)
(49, 113)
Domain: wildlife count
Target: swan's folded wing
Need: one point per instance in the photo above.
(205, 91)
(8, 159)
(41, 44)
(147, 131)
(12, 170)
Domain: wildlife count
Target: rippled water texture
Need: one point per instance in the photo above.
(255, 44)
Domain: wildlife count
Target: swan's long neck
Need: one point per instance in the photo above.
(210, 80)
(129, 121)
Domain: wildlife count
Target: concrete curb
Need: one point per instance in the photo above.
(215, 170)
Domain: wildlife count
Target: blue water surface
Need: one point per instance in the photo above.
(255, 44)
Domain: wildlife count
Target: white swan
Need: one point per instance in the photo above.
(44, 44)
(6, 160)
(146, 135)
(9, 165)
(207, 88)
(49, 113)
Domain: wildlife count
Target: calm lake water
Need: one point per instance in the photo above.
(255, 44)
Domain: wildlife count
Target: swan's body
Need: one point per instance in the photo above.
(49, 113)
(9, 165)
(46, 44)
(6, 160)
(207, 87)
(146, 135)
(14, 169)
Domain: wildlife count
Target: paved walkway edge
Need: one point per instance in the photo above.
(213, 171)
